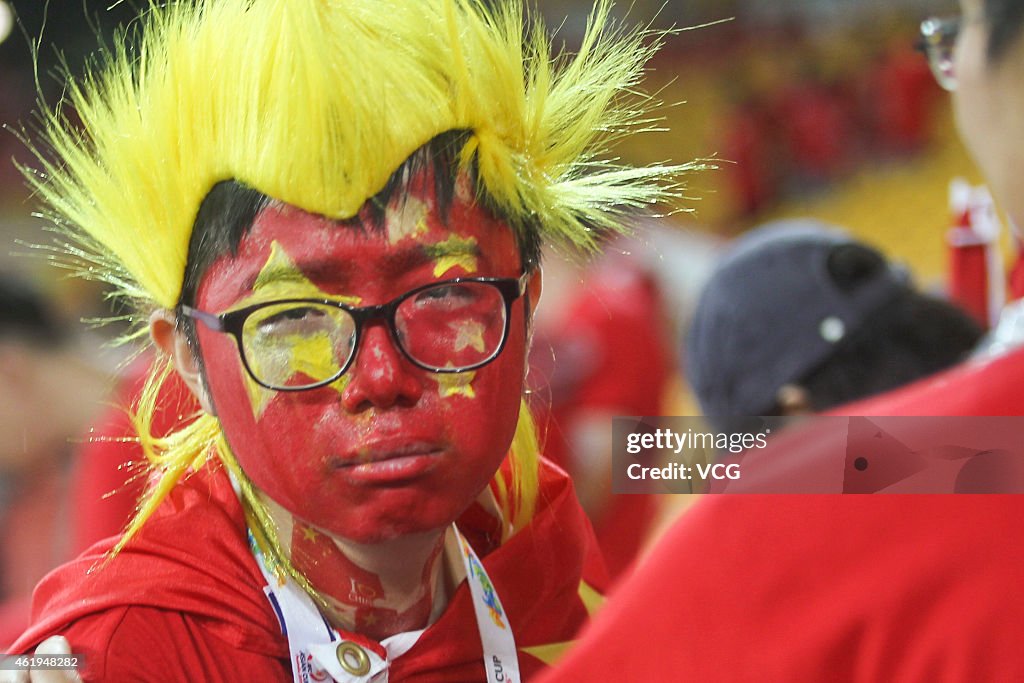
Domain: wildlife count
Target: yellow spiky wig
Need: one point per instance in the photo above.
(316, 103)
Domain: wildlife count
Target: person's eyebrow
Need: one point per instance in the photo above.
(336, 273)
(300, 273)
(453, 246)
(418, 255)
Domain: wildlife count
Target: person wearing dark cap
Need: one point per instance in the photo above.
(854, 588)
(858, 588)
(800, 317)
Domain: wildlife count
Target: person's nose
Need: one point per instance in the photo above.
(380, 376)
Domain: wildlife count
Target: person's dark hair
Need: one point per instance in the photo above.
(225, 216)
(25, 314)
(228, 211)
(1005, 20)
(909, 338)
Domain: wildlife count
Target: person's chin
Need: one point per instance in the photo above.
(393, 530)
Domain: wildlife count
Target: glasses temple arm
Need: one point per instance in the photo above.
(212, 321)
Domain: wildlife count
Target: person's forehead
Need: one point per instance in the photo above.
(325, 248)
(405, 233)
(412, 237)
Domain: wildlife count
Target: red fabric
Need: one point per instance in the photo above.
(813, 588)
(1015, 279)
(184, 601)
(109, 469)
(610, 356)
(969, 280)
(983, 387)
(815, 457)
(819, 588)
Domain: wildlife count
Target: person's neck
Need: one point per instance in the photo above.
(378, 589)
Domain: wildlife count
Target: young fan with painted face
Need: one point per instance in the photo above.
(333, 211)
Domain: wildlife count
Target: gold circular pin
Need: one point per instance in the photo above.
(353, 659)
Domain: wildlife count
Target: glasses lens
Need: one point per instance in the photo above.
(939, 37)
(296, 345)
(452, 325)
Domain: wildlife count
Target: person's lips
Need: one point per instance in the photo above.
(390, 461)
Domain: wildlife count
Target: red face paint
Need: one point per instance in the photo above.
(389, 449)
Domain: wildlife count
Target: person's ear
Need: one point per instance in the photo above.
(793, 399)
(169, 339)
(533, 289)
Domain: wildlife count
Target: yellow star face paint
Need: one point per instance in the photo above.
(468, 334)
(454, 252)
(455, 384)
(313, 356)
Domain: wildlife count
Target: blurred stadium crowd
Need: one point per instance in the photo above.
(807, 109)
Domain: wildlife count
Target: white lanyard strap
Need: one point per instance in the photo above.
(499, 645)
(320, 652)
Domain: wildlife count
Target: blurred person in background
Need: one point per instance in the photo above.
(899, 95)
(979, 57)
(854, 588)
(51, 390)
(984, 67)
(109, 470)
(799, 317)
(601, 349)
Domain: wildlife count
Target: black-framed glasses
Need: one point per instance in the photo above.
(298, 344)
(938, 43)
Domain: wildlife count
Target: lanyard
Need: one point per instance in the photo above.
(320, 653)
(499, 645)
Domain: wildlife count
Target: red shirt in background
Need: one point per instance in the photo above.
(608, 356)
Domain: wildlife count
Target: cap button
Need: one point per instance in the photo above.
(832, 329)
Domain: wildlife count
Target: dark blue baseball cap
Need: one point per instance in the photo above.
(776, 307)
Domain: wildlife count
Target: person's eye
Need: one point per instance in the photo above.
(294, 319)
(454, 292)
